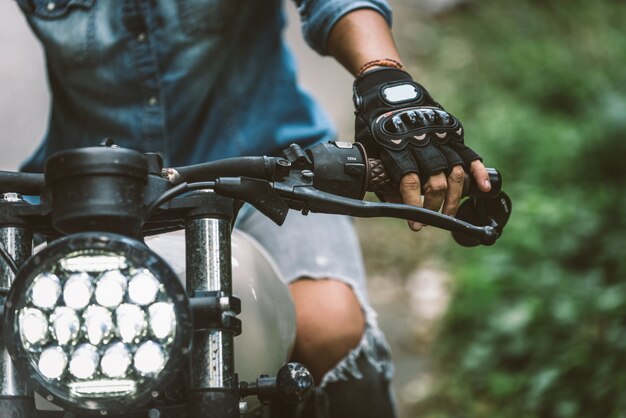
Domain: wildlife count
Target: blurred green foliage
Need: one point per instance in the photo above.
(537, 327)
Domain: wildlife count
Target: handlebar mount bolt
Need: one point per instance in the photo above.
(307, 174)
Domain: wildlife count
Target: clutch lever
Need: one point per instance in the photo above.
(306, 198)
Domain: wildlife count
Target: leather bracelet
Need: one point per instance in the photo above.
(385, 62)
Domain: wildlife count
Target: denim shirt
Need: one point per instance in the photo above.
(194, 80)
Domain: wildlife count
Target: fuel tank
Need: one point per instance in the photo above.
(267, 311)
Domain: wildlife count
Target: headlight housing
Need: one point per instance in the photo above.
(98, 321)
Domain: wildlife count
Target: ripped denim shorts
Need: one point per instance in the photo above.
(319, 246)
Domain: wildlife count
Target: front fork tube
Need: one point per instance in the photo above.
(209, 270)
(14, 395)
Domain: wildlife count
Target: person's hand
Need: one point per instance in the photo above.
(420, 144)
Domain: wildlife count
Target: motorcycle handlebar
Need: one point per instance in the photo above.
(328, 177)
(256, 167)
(266, 168)
(24, 183)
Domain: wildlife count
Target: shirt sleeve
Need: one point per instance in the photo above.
(319, 16)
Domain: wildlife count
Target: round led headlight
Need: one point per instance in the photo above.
(98, 321)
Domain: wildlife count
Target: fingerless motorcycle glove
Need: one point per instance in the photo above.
(399, 122)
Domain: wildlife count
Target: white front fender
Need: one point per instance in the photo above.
(268, 316)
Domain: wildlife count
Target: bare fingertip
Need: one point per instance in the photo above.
(415, 226)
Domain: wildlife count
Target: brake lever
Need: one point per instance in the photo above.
(306, 198)
(333, 177)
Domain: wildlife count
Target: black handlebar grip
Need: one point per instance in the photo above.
(470, 188)
(380, 182)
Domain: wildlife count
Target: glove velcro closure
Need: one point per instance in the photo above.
(368, 91)
(372, 80)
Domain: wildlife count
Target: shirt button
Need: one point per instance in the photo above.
(51, 6)
(152, 101)
(141, 37)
